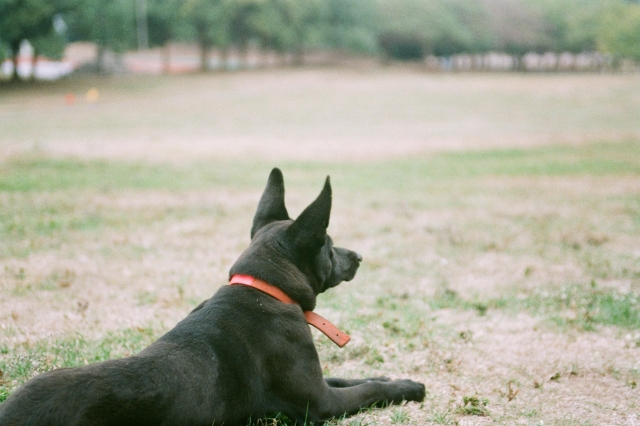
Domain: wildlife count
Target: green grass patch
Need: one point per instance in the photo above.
(587, 306)
(596, 159)
(44, 198)
(36, 221)
(45, 174)
(473, 406)
(583, 306)
(28, 359)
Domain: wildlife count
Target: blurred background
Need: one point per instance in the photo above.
(187, 35)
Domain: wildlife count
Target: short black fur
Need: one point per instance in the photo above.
(240, 355)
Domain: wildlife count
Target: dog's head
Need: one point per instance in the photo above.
(295, 255)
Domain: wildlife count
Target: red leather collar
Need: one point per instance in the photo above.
(331, 331)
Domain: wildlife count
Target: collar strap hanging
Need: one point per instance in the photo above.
(331, 331)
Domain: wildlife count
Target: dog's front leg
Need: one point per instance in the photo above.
(338, 401)
(335, 382)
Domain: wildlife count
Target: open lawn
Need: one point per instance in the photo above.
(498, 216)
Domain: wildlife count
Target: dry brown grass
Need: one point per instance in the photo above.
(452, 290)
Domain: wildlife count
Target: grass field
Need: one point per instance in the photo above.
(498, 216)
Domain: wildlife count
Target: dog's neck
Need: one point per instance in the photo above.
(331, 331)
(258, 263)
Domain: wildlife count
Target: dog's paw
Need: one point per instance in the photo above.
(410, 390)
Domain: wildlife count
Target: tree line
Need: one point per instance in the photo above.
(393, 29)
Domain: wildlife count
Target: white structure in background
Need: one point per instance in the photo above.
(45, 69)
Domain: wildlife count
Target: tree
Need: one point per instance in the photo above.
(4, 51)
(31, 20)
(210, 21)
(444, 27)
(300, 25)
(165, 22)
(110, 24)
(461, 28)
(270, 28)
(582, 25)
(350, 26)
(619, 33)
(516, 28)
(244, 17)
(404, 28)
(572, 25)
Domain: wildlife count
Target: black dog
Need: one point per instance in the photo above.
(240, 355)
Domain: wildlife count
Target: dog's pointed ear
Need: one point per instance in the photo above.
(309, 231)
(271, 206)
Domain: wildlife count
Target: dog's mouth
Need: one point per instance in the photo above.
(346, 272)
(352, 272)
(354, 265)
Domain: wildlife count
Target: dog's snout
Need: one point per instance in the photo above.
(359, 257)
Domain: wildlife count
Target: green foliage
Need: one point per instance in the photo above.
(165, 21)
(209, 19)
(4, 50)
(50, 45)
(302, 24)
(25, 19)
(620, 31)
(583, 25)
(108, 23)
(559, 27)
(31, 20)
(517, 27)
(440, 27)
(350, 25)
(444, 27)
(612, 26)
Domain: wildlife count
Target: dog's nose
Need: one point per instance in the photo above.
(359, 257)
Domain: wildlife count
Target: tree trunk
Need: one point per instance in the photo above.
(14, 75)
(519, 63)
(284, 58)
(263, 57)
(243, 53)
(204, 56)
(34, 62)
(298, 50)
(298, 56)
(15, 53)
(100, 60)
(166, 58)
